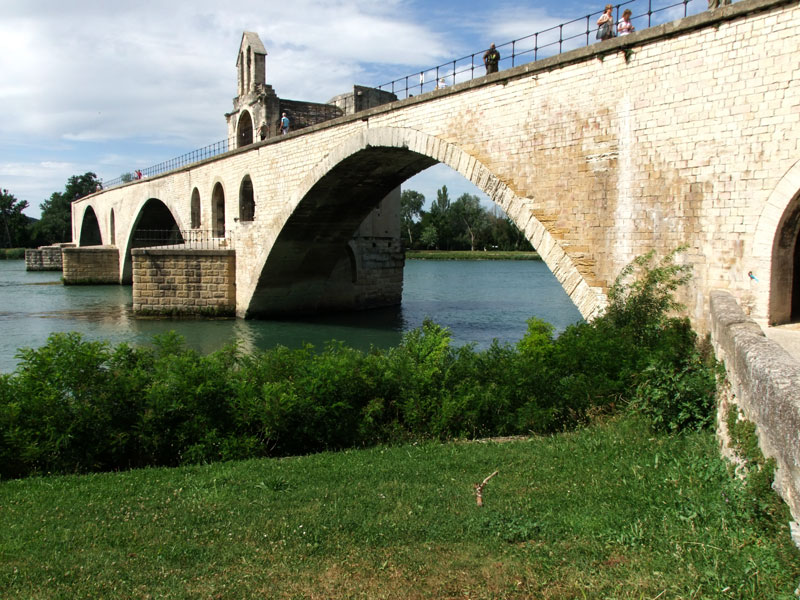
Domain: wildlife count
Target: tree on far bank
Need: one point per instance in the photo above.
(13, 223)
(56, 223)
(411, 203)
(469, 216)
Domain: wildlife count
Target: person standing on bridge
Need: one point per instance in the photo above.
(284, 124)
(605, 24)
(262, 131)
(491, 58)
(624, 27)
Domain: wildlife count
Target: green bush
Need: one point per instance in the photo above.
(76, 406)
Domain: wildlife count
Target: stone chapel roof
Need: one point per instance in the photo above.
(250, 38)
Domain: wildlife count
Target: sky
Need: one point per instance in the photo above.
(109, 86)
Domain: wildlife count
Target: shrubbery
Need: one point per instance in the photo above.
(76, 406)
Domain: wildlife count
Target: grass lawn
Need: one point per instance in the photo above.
(471, 255)
(609, 512)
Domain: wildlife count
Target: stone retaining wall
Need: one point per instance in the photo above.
(91, 265)
(188, 282)
(44, 258)
(764, 383)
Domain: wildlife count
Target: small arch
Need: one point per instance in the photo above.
(90, 229)
(247, 202)
(244, 130)
(218, 211)
(112, 227)
(784, 300)
(155, 225)
(195, 209)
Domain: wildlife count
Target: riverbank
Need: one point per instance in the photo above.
(609, 511)
(12, 253)
(470, 255)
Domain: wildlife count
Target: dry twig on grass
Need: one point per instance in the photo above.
(479, 488)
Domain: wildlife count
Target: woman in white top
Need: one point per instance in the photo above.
(624, 27)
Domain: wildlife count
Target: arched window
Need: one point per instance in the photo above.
(113, 228)
(247, 201)
(218, 211)
(244, 130)
(195, 209)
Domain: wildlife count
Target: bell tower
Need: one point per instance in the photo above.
(256, 103)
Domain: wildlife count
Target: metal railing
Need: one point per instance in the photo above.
(561, 38)
(556, 40)
(174, 163)
(195, 239)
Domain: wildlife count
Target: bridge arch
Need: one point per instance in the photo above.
(777, 242)
(247, 200)
(155, 224)
(90, 229)
(244, 130)
(112, 227)
(218, 210)
(194, 209)
(334, 198)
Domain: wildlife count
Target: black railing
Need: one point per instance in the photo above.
(561, 38)
(542, 44)
(174, 163)
(195, 239)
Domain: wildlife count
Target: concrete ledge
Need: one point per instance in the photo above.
(765, 383)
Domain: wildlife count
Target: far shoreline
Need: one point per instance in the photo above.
(471, 255)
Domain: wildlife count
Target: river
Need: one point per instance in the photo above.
(477, 300)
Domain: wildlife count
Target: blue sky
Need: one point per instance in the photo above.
(109, 87)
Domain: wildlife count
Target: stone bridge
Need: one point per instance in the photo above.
(685, 134)
(682, 134)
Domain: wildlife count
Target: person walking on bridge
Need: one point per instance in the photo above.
(605, 24)
(284, 124)
(491, 58)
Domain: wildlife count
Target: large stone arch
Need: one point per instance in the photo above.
(349, 182)
(159, 226)
(90, 229)
(776, 249)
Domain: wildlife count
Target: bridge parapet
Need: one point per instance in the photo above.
(763, 384)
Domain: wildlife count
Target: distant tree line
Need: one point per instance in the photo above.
(17, 230)
(460, 225)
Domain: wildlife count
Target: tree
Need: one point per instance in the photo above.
(13, 223)
(56, 223)
(440, 219)
(469, 216)
(411, 204)
(429, 237)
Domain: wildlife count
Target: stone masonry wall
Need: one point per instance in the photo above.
(92, 264)
(45, 258)
(304, 114)
(763, 383)
(695, 124)
(184, 282)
